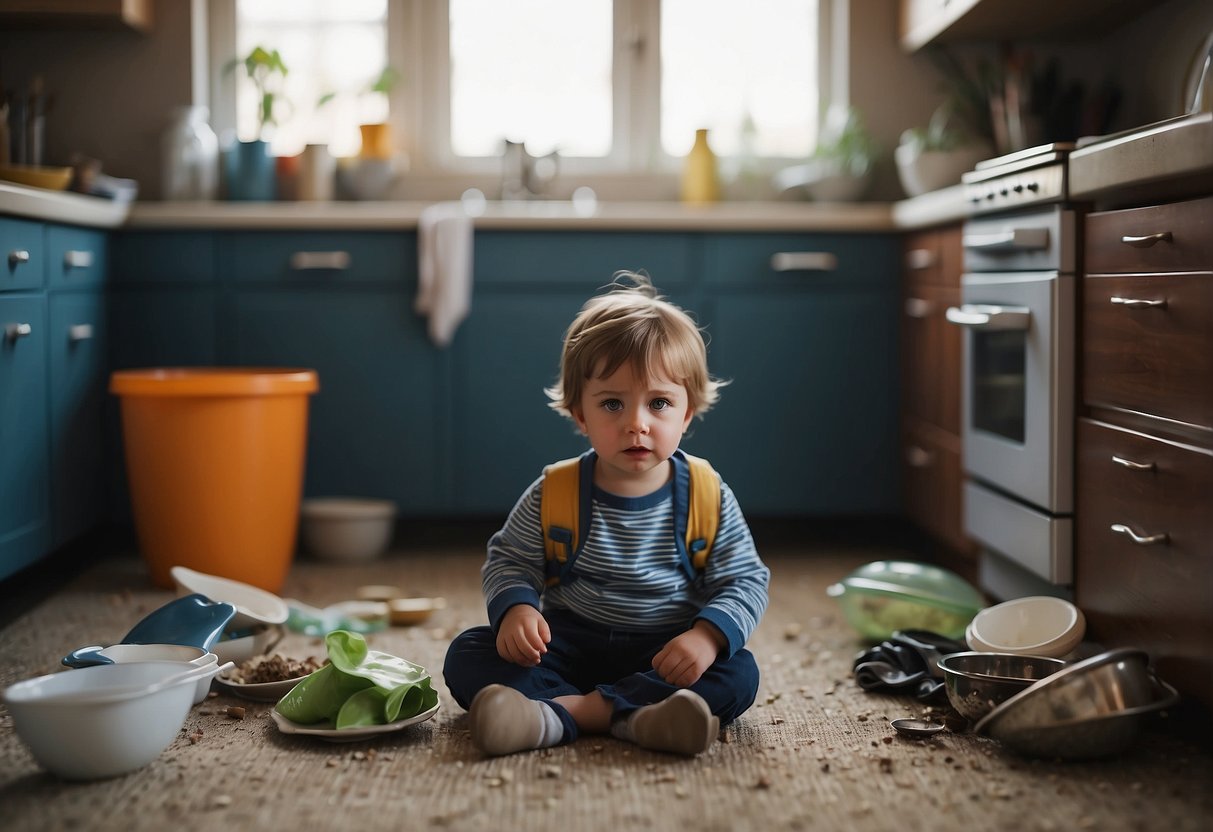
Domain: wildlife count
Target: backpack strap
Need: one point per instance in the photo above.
(566, 485)
(703, 510)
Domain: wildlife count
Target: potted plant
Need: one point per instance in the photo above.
(841, 167)
(250, 167)
(935, 157)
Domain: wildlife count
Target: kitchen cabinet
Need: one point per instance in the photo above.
(78, 354)
(803, 328)
(1145, 442)
(931, 463)
(77, 14)
(341, 304)
(930, 21)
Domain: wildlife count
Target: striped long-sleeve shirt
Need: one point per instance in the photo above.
(630, 574)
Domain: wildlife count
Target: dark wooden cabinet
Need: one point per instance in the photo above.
(1144, 562)
(932, 473)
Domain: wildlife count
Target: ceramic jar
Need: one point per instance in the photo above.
(191, 156)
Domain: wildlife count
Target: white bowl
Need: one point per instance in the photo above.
(105, 720)
(261, 640)
(180, 653)
(254, 606)
(923, 171)
(1037, 625)
(347, 528)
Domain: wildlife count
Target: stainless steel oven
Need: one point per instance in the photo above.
(1018, 311)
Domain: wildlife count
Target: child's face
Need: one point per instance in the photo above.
(635, 425)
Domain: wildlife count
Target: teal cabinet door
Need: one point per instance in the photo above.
(506, 353)
(78, 359)
(372, 428)
(22, 255)
(24, 486)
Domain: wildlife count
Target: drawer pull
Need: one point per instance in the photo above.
(1138, 303)
(984, 316)
(1140, 540)
(918, 259)
(79, 332)
(917, 457)
(804, 261)
(307, 260)
(1147, 240)
(918, 308)
(1015, 239)
(77, 259)
(18, 256)
(1133, 466)
(14, 331)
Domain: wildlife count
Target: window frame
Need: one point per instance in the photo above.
(418, 43)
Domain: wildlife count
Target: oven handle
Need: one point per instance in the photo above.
(987, 316)
(1015, 239)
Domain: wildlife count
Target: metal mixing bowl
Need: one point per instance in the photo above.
(1093, 708)
(978, 682)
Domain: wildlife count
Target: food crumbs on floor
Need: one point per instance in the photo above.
(235, 712)
(222, 800)
(552, 772)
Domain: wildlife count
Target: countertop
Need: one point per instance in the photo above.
(930, 209)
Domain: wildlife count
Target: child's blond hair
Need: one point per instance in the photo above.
(632, 323)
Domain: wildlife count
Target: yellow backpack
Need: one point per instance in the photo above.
(564, 510)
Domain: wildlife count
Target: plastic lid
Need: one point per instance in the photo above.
(214, 381)
(908, 579)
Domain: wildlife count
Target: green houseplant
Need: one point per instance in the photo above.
(250, 171)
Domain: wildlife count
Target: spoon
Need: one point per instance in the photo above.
(917, 728)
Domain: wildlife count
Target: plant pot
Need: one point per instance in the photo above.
(249, 172)
(923, 171)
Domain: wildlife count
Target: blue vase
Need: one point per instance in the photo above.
(249, 172)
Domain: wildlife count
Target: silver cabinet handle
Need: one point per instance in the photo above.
(1015, 239)
(986, 316)
(1140, 540)
(918, 259)
(14, 331)
(16, 256)
(804, 261)
(77, 259)
(917, 457)
(918, 308)
(308, 260)
(1146, 240)
(79, 332)
(1133, 466)
(1138, 303)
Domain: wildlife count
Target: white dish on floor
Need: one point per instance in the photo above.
(326, 731)
(253, 606)
(262, 640)
(258, 691)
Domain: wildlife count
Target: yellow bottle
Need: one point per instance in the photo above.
(700, 183)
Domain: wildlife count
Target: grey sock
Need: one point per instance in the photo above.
(682, 724)
(503, 721)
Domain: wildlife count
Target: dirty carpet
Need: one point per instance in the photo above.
(815, 752)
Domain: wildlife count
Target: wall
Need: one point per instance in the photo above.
(113, 90)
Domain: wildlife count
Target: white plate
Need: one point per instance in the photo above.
(258, 691)
(253, 605)
(326, 731)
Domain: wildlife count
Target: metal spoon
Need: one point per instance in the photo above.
(917, 728)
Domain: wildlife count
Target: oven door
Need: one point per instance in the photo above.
(1018, 386)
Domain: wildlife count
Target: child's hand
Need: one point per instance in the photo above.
(523, 636)
(684, 659)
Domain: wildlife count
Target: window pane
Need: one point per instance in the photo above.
(720, 64)
(536, 71)
(328, 48)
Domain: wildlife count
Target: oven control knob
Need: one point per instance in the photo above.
(1033, 186)
(1019, 188)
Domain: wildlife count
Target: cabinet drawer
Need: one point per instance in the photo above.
(21, 246)
(1151, 595)
(1155, 359)
(583, 260)
(933, 258)
(323, 257)
(177, 257)
(780, 261)
(77, 258)
(931, 346)
(931, 483)
(1161, 238)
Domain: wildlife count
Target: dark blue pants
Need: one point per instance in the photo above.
(583, 657)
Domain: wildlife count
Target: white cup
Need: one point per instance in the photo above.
(317, 169)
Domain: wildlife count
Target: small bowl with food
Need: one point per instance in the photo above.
(267, 678)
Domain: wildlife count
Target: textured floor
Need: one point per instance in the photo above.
(814, 753)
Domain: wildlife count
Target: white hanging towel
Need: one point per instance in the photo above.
(444, 274)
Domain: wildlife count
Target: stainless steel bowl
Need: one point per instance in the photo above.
(1093, 708)
(978, 682)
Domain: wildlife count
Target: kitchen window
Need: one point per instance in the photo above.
(615, 86)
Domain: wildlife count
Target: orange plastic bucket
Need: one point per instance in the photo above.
(215, 458)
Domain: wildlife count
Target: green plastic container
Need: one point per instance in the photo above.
(884, 596)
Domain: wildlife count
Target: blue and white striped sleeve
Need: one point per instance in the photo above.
(513, 573)
(735, 578)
